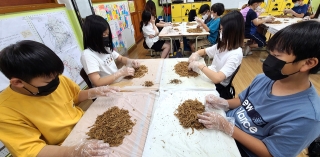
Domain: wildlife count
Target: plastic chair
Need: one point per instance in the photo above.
(230, 85)
(228, 92)
(153, 53)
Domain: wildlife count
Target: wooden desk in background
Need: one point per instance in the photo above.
(178, 32)
(274, 28)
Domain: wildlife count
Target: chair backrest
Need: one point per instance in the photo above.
(85, 77)
(145, 44)
(232, 90)
(234, 74)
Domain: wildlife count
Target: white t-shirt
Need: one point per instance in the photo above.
(148, 30)
(102, 63)
(227, 62)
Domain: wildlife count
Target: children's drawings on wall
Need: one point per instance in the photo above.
(72, 64)
(118, 17)
(19, 28)
(52, 29)
(55, 31)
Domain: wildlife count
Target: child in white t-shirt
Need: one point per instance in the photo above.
(151, 32)
(98, 58)
(226, 54)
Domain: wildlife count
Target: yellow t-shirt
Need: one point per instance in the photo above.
(28, 123)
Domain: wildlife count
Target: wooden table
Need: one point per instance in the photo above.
(170, 32)
(202, 82)
(274, 28)
(154, 75)
(139, 106)
(166, 137)
(157, 131)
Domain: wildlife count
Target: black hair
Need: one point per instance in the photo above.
(250, 2)
(146, 17)
(218, 8)
(204, 8)
(301, 39)
(93, 29)
(294, 1)
(232, 31)
(29, 59)
(151, 7)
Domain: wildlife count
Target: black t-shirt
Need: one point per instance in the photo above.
(250, 28)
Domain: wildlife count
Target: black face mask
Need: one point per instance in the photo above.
(47, 89)
(106, 41)
(272, 67)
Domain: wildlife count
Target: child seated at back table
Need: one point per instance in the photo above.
(151, 35)
(210, 22)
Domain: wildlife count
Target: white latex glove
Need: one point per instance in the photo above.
(212, 120)
(132, 63)
(288, 11)
(215, 102)
(195, 66)
(124, 71)
(200, 21)
(167, 24)
(101, 91)
(269, 19)
(306, 18)
(194, 57)
(90, 148)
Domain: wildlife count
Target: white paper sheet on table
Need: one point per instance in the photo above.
(202, 82)
(140, 107)
(274, 28)
(154, 75)
(166, 137)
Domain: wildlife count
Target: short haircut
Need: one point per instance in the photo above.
(294, 1)
(204, 8)
(28, 59)
(93, 29)
(250, 2)
(232, 31)
(218, 8)
(151, 7)
(146, 17)
(300, 39)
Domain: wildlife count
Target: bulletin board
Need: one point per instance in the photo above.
(118, 16)
(51, 27)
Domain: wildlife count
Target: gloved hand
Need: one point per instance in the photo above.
(90, 148)
(194, 57)
(132, 63)
(195, 66)
(215, 102)
(124, 71)
(212, 120)
(269, 19)
(288, 11)
(102, 91)
(167, 24)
